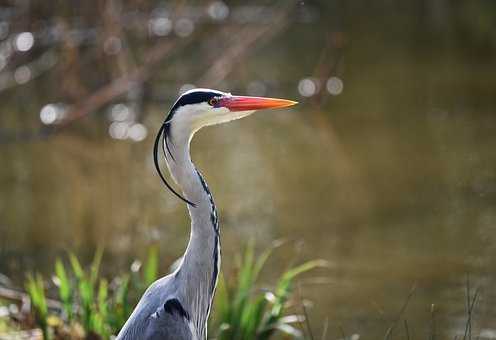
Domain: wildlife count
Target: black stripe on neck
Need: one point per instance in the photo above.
(213, 211)
(215, 223)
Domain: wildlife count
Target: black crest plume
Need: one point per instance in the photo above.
(161, 134)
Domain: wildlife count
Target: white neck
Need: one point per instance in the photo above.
(201, 262)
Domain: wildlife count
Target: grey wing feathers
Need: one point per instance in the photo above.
(169, 322)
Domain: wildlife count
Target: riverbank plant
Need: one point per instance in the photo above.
(90, 306)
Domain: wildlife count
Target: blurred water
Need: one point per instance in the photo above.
(391, 180)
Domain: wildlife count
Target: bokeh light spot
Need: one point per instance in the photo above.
(22, 75)
(48, 114)
(137, 132)
(24, 41)
(218, 10)
(120, 112)
(135, 266)
(118, 130)
(51, 113)
(307, 87)
(160, 26)
(334, 86)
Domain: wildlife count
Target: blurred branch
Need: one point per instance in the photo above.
(240, 47)
(23, 298)
(243, 41)
(327, 66)
(123, 84)
(29, 71)
(105, 94)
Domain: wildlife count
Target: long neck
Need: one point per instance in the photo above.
(200, 266)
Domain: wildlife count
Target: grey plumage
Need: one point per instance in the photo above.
(178, 305)
(154, 318)
(191, 287)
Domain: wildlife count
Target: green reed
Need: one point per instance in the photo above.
(100, 307)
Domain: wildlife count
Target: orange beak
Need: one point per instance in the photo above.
(244, 103)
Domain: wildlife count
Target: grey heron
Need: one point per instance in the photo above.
(177, 306)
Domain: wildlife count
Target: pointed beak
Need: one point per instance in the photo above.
(244, 103)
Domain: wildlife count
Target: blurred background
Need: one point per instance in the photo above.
(386, 168)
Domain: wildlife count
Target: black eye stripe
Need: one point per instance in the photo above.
(194, 97)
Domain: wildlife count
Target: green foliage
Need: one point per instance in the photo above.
(66, 292)
(87, 299)
(36, 290)
(101, 307)
(120, 304)
(99, 317)
(86, 283)
(245, 312)
(150, 273)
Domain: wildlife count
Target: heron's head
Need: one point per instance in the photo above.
(202, 107)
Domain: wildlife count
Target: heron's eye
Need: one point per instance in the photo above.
(213, 101)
